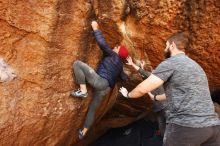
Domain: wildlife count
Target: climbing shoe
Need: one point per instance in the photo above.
(78, 93)
(81, 135)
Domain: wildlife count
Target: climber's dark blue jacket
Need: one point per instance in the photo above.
(111, 66)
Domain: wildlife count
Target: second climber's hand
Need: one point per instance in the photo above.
(143, 64)
(124, 92)
(94, 25)
(151, 95)
(129, 59)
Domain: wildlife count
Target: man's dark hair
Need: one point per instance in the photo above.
(180, 39)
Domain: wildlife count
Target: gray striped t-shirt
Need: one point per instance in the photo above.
(187, 92)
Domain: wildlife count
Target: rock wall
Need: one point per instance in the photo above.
(40, 39)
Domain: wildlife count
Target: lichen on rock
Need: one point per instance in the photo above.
(6, 72)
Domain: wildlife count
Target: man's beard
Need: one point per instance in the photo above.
(167, 54)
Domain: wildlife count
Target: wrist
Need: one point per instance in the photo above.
(135, 66)
(128, 95)
(95, 28)
(155, 97)
(132, 64)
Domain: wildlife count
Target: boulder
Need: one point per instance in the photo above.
(40, 40)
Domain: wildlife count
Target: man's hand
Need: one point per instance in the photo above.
(124, 92)
(94, 25)
(143, 64)
(129, 59)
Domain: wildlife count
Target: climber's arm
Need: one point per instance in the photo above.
(144, 74)
(101, 40)
(151, 83)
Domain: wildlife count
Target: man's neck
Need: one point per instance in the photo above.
(177, 52)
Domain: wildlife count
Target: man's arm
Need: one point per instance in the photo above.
(160, 97)
(146, 86)
(161, 74)
(100, 39)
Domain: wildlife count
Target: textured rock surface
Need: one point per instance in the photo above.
(40, 39)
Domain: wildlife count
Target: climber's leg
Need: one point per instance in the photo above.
(101, 88)
(97, 99)
(83, 73)
(161, 119)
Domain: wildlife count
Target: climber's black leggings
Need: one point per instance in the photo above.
(84, 73)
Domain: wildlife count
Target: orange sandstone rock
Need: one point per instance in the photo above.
(41, 39)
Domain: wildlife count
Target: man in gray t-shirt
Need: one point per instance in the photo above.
(192, 119)
(186, 88)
